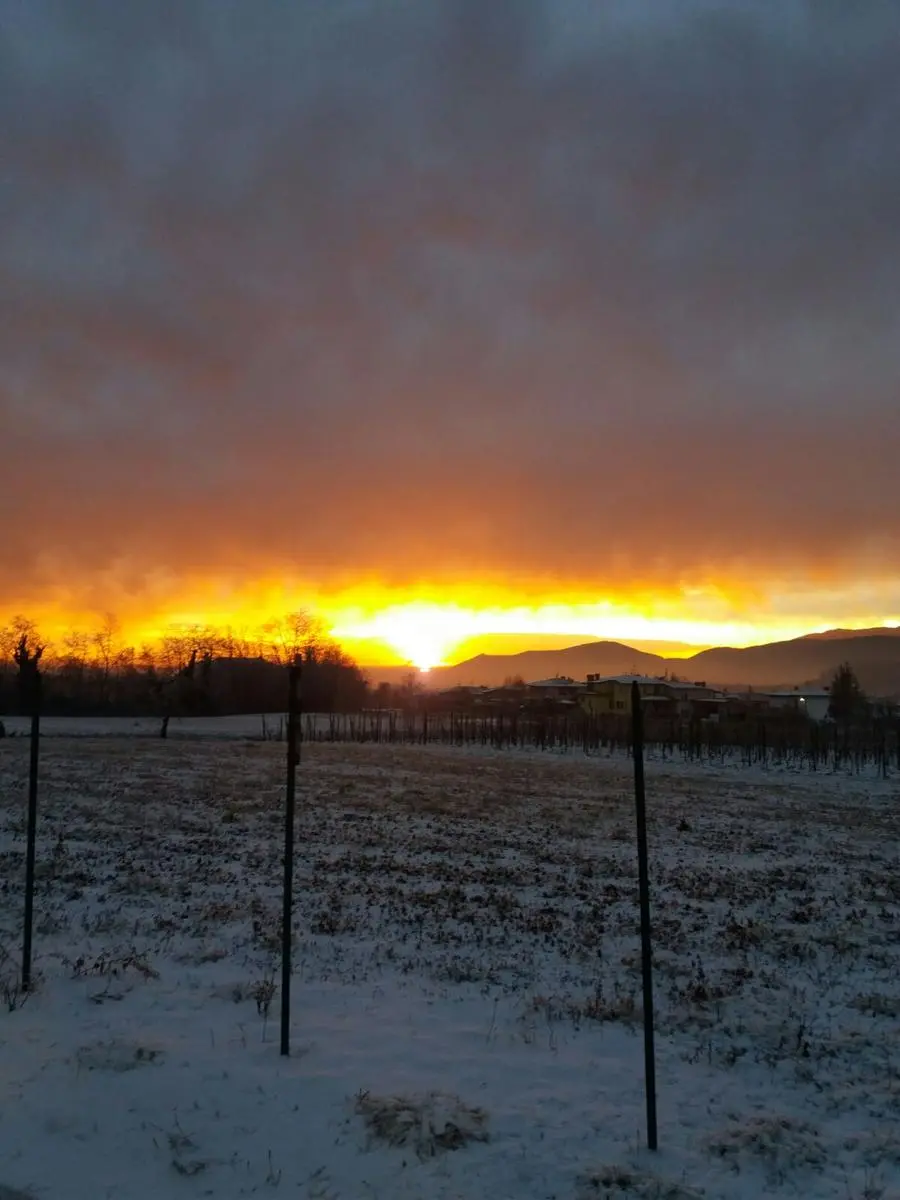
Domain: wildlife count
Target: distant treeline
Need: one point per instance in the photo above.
(190, 671)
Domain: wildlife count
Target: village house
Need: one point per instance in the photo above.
(695, 701)
(673, 698)
(509, 698)
(559, 690)
(610, 695)
(605, 694)
(461, 698)
(742, 707)
(812, 702)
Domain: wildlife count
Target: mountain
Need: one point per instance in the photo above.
(874, 655)
(496, 666)
(833, 634)
(602, 658)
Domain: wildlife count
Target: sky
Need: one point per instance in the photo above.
(450, 318)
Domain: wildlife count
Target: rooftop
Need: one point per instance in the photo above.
(799, 693)
(558, 681)
(638, 679)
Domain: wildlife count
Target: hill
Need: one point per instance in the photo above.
(875, 656)
(509, 646)
(832, 634)
(606, 658)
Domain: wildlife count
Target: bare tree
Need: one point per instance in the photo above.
(27, 658)
(12, 634)
(297, 633)
(104, 644)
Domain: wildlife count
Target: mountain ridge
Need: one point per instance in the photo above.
(804, 661)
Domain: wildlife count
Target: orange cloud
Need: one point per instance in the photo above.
(429, 625)
(555, 323)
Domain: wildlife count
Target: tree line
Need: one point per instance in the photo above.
(188, 671)
(201, 670)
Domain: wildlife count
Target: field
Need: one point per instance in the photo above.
(467, 1004)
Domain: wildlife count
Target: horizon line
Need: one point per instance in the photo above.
(695, 648)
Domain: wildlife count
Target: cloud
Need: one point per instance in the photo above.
(567, 291)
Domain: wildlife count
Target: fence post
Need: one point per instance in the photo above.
(637, 739)
(33, 677)
(293, 758)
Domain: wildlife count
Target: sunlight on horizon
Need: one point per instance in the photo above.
(429, 626)
(429, 635)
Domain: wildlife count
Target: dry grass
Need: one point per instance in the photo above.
(116, 1056)
(876, 1004)
(782, 1144)
(428, 1125)
(623, 1183)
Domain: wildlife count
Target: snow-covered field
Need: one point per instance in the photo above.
(466, 1018)
(244, 726)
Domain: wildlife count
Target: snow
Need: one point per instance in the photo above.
(244, 725)
(466, 1001)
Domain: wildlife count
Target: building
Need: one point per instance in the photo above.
(456, 699)
(695, 701)
(508, 698)
(816, 703)
(605, 694)
(559, 690)
(813, 702)
(672, 698)
(740, 708)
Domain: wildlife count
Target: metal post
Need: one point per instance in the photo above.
(35, 696)
(637, 718)
(293, 758)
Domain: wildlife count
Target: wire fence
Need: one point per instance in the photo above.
(796, 744)
(770, 741)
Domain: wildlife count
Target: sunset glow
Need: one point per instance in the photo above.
(462, 325)
(428, 626)
(433, 634)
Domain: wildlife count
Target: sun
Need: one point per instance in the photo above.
(431, 632)
(420, 634)
(422, 647)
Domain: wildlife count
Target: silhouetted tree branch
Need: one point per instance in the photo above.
(27, 659)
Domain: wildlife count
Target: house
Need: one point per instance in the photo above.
(813, 702)
(604, 694)
(508, 698)
(739, 708)
(816, 703)
(559, 690)
(456, 699)
(672, 698)
(695, 701)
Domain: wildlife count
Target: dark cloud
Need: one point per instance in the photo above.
(426, 289)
